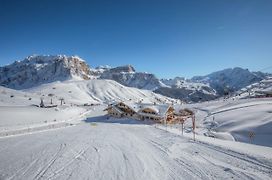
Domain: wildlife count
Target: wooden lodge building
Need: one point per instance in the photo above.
(158, 113)
(121, 110)
(155, 112)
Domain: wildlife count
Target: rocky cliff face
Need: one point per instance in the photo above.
(127, 76)
(35, 70)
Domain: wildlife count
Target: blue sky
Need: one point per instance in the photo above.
(166, 37)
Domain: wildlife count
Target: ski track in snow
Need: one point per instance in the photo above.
(122, 150)
(235, 108)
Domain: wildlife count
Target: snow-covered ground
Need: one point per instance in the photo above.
(24, 116)
(124, 149)
(236, 119)
(22, 120)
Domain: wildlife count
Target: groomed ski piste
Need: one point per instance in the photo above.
(92, 145)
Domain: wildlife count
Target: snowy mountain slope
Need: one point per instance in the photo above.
(94, 91)
(187, 90)
(78, 92)
(35, 70)
(187, 95)
(11, 97)
(179, 82)
(230, 80)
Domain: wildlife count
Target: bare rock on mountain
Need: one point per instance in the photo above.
(35, 70)
(127, 76)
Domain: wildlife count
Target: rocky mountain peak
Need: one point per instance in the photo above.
(38, 69)
(124, 69)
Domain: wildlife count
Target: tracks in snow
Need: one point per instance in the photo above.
(125, 151)
(50, 163)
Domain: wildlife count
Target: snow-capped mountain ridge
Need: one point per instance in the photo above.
(39, 69)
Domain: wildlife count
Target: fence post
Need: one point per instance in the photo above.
(165, 123)
(251, 135)
(194, 126)
(182, 127)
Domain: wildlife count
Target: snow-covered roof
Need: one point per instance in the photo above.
(152, 108)
(159, 109)
(134, 106)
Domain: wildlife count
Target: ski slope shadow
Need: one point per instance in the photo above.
(107, 119)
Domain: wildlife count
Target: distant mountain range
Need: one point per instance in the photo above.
(36, 70)
(230, 80)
